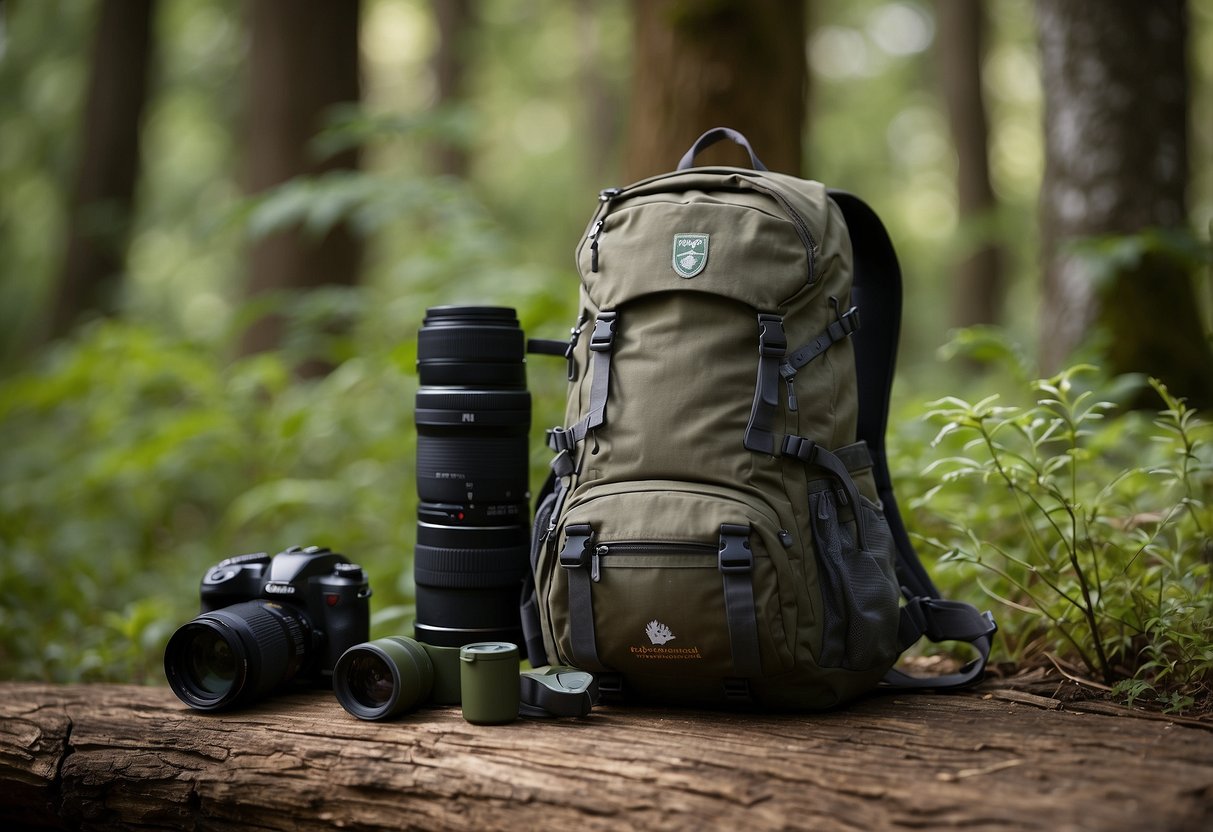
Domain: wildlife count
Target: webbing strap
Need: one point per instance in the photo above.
(877, 290)
(810, 453)
(941, 620)
(772, 345)
(602, 343)
(737, 572)
(575, 558)
(843, 325)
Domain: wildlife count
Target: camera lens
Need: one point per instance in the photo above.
(473, 415)
(383, 678)
(211, 664)
(235, 655)
(370, 680)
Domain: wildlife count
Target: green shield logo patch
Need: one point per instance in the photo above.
(690, 254)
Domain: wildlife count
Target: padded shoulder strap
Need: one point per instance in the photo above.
(877, 293)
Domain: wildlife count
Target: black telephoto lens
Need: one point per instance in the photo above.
(236, 655)
(473, 415)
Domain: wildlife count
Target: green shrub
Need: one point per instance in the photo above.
(1091, 527)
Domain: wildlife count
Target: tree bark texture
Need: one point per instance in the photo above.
(456, 21)
(1116, 162)
(108, 757)
(303, 60)
(725, 63)
(978, 282)
(101, 208)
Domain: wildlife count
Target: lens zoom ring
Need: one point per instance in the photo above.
(473, 343)
(440, 398)
(469, 568)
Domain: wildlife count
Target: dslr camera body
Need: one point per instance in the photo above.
(266, 621)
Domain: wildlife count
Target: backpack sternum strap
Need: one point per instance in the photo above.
(737, 572)
(576, 557)
(772, 345)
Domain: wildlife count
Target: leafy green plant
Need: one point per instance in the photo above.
(1092, 528)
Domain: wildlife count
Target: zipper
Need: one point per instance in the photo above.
(802, 228)
(604, 198)
(595, 230)
(660, 547)
(646, 547)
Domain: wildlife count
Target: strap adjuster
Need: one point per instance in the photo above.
(801, 447)
(735, 553)
(604, 332)
(561, 439)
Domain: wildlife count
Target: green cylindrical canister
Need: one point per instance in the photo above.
(489, 682)
(447, 671)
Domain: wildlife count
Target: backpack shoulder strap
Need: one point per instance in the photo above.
(877, 293)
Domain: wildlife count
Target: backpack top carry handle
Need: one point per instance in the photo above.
(710, 138)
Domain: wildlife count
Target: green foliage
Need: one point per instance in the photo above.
(136, 457)
(1093, 528)
(134, 461)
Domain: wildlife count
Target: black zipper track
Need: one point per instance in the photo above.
(644, 547)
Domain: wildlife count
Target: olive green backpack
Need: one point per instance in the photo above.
(720, 526)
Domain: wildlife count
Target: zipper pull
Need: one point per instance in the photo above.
(593, 238)
(607, 194)
(789, 378)
(785, 537)
(596, 564)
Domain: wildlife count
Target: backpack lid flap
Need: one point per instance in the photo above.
(748, 237)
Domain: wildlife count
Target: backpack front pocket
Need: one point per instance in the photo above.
(670, 583)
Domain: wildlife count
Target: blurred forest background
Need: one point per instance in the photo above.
(221, 222)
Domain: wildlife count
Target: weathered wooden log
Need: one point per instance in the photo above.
(119, 757)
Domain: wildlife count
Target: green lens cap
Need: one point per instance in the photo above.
(556, 691)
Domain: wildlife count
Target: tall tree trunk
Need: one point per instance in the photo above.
(978, 282)
(1116, 162)
(600, 106)
(99, 216)
(727, 63)
(456, 21)
(303, 60)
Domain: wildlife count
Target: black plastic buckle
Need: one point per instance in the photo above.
(576, 551)
(604, 332)
(772, 341)
(735, 553)
(610, 687)
(801, 447)
(737, 690)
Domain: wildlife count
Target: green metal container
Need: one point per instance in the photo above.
(489, 682)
